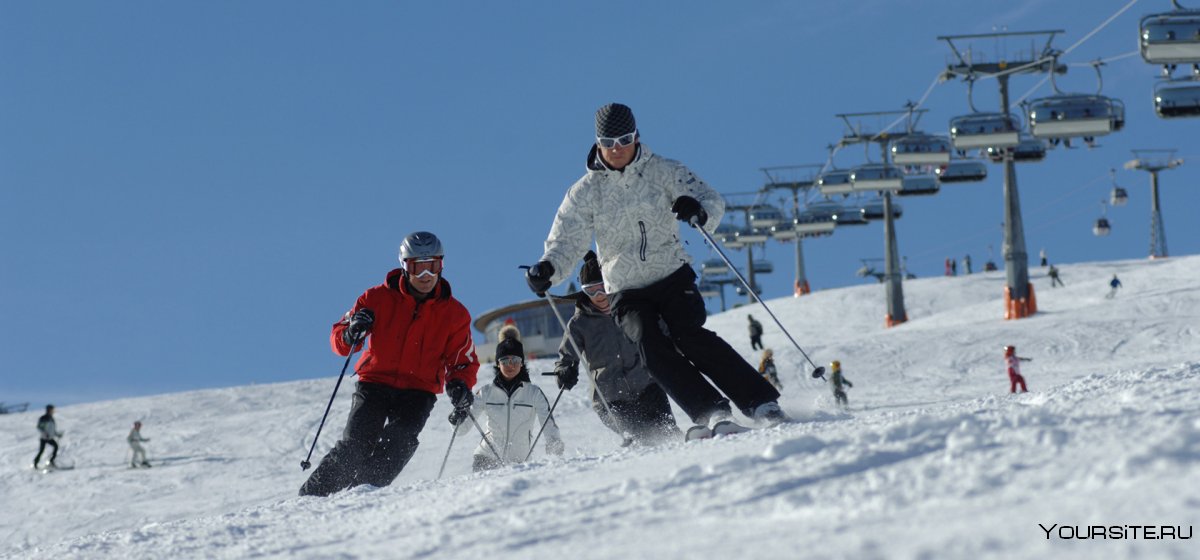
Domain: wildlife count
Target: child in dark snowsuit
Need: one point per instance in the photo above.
(838, 380)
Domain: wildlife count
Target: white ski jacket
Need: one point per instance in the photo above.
(629, 214)
(509, 421)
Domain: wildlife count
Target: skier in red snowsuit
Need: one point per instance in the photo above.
(1014, 369)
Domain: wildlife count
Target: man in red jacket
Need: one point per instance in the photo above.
(420, 340)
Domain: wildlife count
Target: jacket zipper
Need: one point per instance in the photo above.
(642, 250)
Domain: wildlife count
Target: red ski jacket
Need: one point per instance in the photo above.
(412, 345)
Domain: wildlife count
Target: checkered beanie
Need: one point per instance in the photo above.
(614, 120)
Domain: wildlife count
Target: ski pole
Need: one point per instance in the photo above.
(304, 465)
(499, 457)
(453, 434)
(549, 416)
(818, 371)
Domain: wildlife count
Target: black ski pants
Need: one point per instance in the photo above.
(42, 447)
(379, 439)
(647, 418)
(678, 303)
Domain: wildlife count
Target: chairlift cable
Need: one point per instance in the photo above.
(1098, 28)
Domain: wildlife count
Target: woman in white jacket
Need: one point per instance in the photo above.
(510, 409)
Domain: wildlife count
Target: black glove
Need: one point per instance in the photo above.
(360, 325)
(460, 395)
(688, 209)
(457, 416)
(567, 375)
(538, 277)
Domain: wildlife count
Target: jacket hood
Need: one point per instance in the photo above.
(395, 281)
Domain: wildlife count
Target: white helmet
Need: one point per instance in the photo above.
(420, 245)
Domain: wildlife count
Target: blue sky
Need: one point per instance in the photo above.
(192, 192)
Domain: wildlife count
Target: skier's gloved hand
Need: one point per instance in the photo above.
(567, 375)
(460, 395)
(457, 416)
(538, 277)
(688, 210)
(360, 325)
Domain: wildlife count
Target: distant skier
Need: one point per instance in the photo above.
(1042, 255)
(640, 410)
(966, 264)
(49, 434)
(628, 201)
(948, 261)
(953, 267)
(1115, 285)
(838, 380)
(767, 368)
(420, 338)
(756, 332)
(135, 440)
(510, 409)
(1013, 362)
(1054, 279)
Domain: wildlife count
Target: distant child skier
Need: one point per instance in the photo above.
(1054, 279)
(1013, 361)
(1115, 284)
(135, 440)
(510, 409)
(49, 433)
(767, 368)
(838, 380)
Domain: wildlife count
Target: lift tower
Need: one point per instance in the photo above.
(1153, 161)
(973, 65)
(776, 182)
(885, 179)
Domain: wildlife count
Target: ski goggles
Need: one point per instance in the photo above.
(622, 140)
(510, 360)
(417, 268)
(593, 290)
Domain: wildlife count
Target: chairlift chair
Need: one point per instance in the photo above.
(764, 216)
(921, 149)
(714, 268)
(918, 185)
(1073, 115)
(876, 177)
(1177, 98)
(812, 223)
(747, 236)
(763, 266)
(1118, 197)
(983, 130)
(1030, 149)
(836, 181)
(708, 289)
(1171, 37)
(962, 171)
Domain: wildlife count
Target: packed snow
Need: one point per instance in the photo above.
(934, 459)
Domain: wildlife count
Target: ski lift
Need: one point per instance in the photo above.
(765, 216)
(714, 268)
(1030, 149)
(747, 236)
(921, 149)
(962, 171)
(873, 210)
(1118, 197)
(836, 181)
(1069, 115)
(727, 233)
(1171, 37)
(763, 266)
(1177, 98)
(917, 185)
(876, 177)
(784, 231)
(812, 223)
(741, 290)
(708, 289)
(983, 130)
(1102, 227)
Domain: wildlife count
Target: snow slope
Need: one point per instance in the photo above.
(933, 460)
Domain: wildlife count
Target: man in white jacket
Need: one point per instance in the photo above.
(135, 440)
(628, 201)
